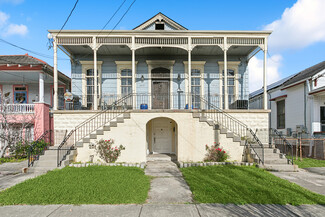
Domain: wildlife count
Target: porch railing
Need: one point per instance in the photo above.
(175, 100)
(17, 108)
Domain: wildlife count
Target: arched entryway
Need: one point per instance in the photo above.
(161, 136)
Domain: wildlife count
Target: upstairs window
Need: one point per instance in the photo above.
(160, 26)
(20, 94)
(126, 82)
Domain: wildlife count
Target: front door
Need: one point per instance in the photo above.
(160, 94)
(322, 118)
(162, 136)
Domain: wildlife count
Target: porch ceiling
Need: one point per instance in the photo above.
(20, 77)
(86, 51)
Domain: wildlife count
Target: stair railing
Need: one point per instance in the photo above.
(255, 140)
(225, 120)
(38, 147)
(65, 148)
(101, 118)
(282, 144)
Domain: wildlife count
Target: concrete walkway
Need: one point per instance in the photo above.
(168, 185)
(310, 180)
(153, 210)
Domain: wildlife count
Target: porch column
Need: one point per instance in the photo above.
(41, 87)
(55, 75)
(189, 80)
(189, 73)
(133, 80)
(95, 107)
(264, 77)
(225, 74)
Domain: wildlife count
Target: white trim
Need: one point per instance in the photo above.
(233, 65)
(86, 65)
(168, 64)
(195, 65)
(120, 65)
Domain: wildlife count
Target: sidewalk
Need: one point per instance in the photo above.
(312, 181)
(151, 210)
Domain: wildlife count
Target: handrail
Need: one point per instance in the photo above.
(234, 125)
(226, 120)
(261, 158)
(63, 152)
(100, 119)
(284, 140)
(32, 157)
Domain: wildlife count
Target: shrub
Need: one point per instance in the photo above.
(215, 154)
(21, 148)
(107, 152)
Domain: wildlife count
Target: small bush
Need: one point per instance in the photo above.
(215, 154)
(107, 152)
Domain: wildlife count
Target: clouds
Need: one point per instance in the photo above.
(9, 29)
(255, 68)
(299, 26)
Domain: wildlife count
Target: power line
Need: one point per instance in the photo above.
(30, 51)
(115, 24)
(68, 16)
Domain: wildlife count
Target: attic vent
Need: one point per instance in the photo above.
(160, 26)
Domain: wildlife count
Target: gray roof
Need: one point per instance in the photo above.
(20, 59)
(30, 60)
(270, 87)
(305, 74)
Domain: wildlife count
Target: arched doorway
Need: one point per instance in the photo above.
(161, 136)
(160, 87)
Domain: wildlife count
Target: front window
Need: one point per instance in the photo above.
(196, 87)
(90, 87)
(20, 94)
(126, 82)
(280, 109)
(230, 86)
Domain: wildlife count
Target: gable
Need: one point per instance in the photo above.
(160, 22)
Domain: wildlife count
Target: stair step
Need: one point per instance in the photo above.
(79, 144)
(203, 119)
(196, 114)
(127, 115)
(93, 135)
(100, 131)
(280, 167)
(223, 130)
(120, 120)
(113, 124)
(210, 122)
(107, 127)
(230, 135)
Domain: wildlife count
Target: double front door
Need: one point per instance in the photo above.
(160, 94)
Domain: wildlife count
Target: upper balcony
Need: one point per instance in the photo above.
(17, 108)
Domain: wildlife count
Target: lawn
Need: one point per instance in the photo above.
(308, 162)
(244, 185)
(86, 185)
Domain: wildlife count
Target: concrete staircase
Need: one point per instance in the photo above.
(273, 159)
(222, 132)
(107, 127)
(48, 161)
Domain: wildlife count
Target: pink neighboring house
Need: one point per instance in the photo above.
(27, 83)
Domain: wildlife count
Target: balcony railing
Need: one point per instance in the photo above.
(17, 108)
(178, 100)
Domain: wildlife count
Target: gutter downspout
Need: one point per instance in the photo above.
(311, 143)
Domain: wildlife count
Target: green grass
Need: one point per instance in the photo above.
(308, 162)
(86, 185)
(245, 185)
(11, 160)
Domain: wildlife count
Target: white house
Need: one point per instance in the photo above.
(298, 100)
(159, 88)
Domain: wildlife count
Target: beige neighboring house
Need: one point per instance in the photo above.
(159, 88)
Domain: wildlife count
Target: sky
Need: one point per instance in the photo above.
(297, 41)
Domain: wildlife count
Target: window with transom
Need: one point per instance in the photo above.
(126, 82)
(196, 87)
